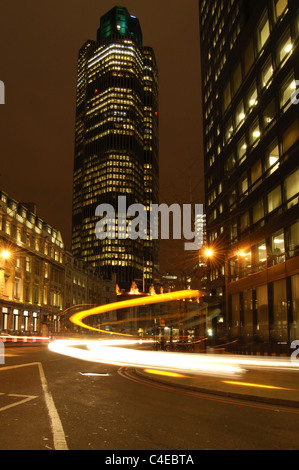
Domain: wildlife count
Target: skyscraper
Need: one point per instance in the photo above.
(250, 68)
(116, 144)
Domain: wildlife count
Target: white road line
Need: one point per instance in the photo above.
(57, 429)
(56, 425)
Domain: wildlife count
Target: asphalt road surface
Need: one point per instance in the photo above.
(48, 402)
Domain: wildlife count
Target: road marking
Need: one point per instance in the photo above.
(56, 425)
(28, 398)
(93, 374)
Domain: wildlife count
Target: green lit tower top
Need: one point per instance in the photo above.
(119, 21)
(116, 145)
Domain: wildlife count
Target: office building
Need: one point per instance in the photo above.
(250, 68)
(116, 146)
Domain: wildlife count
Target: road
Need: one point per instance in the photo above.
(48, 400)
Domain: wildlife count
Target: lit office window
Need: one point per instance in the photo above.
(277, 248)
(249, 56)
(251, 97)
(272, 158)
(280, 7)
(274, 199)
(240, 114)
(286, 91)
(292, 189)
(280, 321)
(269, 114)
(290, 136)
(227, 97)
(285, 47)
(254, 133)
(256, 174)
(263, 32)
(267, 73)
(260, 256)
(241, 150)
(293, 239)
(258, 211)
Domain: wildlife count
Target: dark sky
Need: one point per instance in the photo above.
(39, 43)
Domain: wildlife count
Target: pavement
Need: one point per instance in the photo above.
(275, 387)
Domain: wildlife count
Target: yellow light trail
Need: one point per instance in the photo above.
(246, 384)
(167, 374)
(78, 318)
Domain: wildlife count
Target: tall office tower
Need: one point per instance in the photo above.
(250, 68)
(116, 145)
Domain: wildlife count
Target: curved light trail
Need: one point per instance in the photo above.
(78, 318)
(121, 353)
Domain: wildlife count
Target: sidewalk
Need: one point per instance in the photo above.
(273, 387)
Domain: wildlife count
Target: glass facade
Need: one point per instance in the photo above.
(249, 54)
(116, 144)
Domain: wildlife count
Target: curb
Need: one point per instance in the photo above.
(223, 393)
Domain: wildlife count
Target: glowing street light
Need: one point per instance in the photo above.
(209, 253)
(5, 254)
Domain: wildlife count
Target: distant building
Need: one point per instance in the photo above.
(85, 289)
(116, 146)
(250, 67)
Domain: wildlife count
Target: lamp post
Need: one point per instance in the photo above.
(206, 254)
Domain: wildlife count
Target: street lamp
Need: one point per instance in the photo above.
(209, 253)
(5, 254)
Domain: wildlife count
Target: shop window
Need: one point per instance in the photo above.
(280, 321)
(294, 327)
(247, 313)
(262, 312)
(274, 199)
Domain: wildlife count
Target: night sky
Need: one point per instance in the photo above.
(39, 43)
